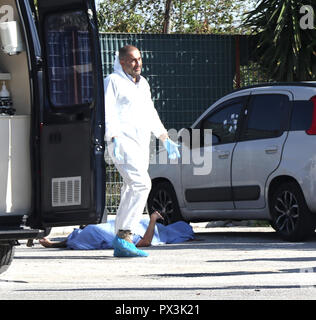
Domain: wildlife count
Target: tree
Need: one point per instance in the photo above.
(176, 16)
(208, 16)
(134, 16)
(285, 48)
(167, 17)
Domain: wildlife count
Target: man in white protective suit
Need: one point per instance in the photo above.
(130, 118)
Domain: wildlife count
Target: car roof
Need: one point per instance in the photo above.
(311, 84)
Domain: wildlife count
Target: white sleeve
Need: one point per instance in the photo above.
(111, 116)
(157, 127)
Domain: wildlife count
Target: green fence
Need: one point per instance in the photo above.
(187, 73)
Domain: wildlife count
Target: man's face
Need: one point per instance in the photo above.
(132, 63)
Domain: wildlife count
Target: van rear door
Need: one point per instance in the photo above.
(69, 166)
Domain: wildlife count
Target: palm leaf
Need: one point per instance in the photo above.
(285, 50)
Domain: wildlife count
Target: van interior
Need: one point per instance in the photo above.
(15, 169)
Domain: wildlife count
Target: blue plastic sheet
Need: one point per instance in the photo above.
(100, 236)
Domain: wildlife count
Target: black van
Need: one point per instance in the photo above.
(52, 169)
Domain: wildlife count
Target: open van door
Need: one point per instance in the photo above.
(68, 112)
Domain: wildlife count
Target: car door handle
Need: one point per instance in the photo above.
(223, 154)
(271, 149)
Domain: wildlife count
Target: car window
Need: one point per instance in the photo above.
(224, 122)
(302, 115)
(267, 116)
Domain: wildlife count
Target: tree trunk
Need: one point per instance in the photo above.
(167, 18)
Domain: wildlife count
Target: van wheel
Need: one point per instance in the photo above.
(6, 255)
(162, 198)
(290, 215)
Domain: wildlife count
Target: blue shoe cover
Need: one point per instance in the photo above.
(130, 254)
(123, 248)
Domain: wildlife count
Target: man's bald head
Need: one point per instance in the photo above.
(124, 51)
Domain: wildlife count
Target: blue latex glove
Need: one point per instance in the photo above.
(172, 149)
(116, 149)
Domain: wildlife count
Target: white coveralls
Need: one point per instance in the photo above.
(130, 116)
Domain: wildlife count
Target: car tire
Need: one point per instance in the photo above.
(291, 217)
(162, 198)
(6, 255)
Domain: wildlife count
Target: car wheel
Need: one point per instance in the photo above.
(162, 198)
(6, 255)
(290, 215)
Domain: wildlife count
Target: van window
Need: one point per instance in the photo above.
(68, 55)
(267, 117)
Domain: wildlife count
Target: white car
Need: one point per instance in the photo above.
(263, 162)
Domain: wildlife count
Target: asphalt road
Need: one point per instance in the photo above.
(223, 263)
